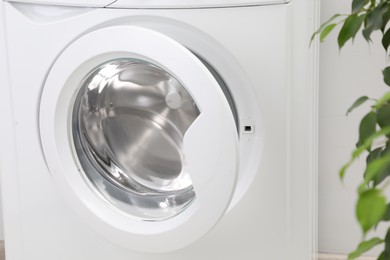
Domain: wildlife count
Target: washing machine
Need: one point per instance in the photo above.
(162, 129)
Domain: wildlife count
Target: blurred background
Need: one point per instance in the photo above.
(344, 76)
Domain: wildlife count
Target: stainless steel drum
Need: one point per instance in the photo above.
(129, 120)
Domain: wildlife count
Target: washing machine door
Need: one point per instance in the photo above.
(139, 137)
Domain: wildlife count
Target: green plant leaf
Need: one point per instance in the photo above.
(363, 187)
(370, 208)
(326, 31)
(386, 40)
(368, 142)
(375, 20)
(367, 128)
(385, 255)
(386, 170)
(386, 19)
(323, 26)
(357, 103)
(364, 247)
(350, 27)
(372, 155)
(377, 167)
(386, 75)
(344, 168)
(383, 116)
(383, 163)
(386, 216)
(384, 99)
(358, 4)
(359, 150)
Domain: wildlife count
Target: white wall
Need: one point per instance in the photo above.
(344, 76)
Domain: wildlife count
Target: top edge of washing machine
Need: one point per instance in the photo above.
(191, 3)
(78, 3)
(145, 4)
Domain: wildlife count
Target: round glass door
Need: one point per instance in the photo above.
(128, 124)
(139, 138)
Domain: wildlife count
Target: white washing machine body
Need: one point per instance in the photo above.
(158, 130)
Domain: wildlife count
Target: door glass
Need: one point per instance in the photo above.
(128, 124)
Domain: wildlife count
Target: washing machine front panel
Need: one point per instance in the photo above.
(140, 138)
